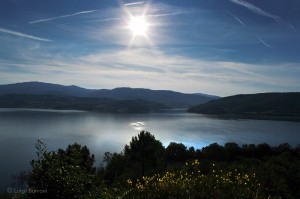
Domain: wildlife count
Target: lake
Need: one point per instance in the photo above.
(20, 129)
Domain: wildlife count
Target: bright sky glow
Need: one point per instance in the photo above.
(218, 47)
(138, 26)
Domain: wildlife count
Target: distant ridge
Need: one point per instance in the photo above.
(261, 104)
(55, 102)
(171, 99)
(210, 96)
(41, 88)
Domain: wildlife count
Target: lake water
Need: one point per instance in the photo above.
(20, 129)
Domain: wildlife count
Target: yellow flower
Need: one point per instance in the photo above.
(129, 182)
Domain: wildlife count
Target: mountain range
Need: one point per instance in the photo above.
(168, 98)
(103, 105)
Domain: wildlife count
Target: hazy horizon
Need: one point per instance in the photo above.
(133, 88)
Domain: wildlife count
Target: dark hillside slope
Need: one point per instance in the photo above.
(169, 98)
(264, 104)
(41, 88)
(78, 103)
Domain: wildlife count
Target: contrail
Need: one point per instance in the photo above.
(263, 42)
(63, 16)
(163, 15)
(135, 3)
(255, 9)
(118, 18)
(236, 18)
(23, 35)
(291, 26)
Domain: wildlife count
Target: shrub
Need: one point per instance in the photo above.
(190, 183)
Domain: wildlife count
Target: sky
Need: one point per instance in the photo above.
(218, 47)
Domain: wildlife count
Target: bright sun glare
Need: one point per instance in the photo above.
(138, 26)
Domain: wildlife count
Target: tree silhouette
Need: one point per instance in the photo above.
(176, 152)
(63, 174)
(144, 153)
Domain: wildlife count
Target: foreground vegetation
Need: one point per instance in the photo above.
(147, 169)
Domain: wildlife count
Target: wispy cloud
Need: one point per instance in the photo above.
(164, 14)
(148, 68)
(20, 34)
(154, 63)
(62, 16)
(291, 26)
(263, 42)
(236, 18)
(256, 9)
(134, 3)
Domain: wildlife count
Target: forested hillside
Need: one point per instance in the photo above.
(263, 104)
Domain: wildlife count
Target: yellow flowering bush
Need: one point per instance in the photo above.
(190, 183)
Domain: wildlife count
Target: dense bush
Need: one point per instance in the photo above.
(63, 174)
(191, 183)
(146, 169)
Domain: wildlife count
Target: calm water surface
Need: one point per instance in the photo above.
(20, 128)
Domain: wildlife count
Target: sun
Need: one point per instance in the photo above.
(138, 25)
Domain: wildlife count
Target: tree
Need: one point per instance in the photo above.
(263, 150)
(232, 150)
(115, 164)
(62, 174)
(214, 152)
(144, 153)
(176, 152)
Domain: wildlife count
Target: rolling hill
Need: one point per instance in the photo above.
(262, 104)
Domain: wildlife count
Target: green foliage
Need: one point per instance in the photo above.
(281, 175)
(145, 169)
(144, 153)
(191, 183)
(176, 152)
(262, 164)
(214, 152)
(63, 174)
(115, 165)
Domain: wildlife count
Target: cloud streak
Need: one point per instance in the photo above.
(291, 26)
(63, 16)
(236, 18)
(11, 32)
(256, 9)
(134, 3)
(164, 14)
(154, 62)
(263, 42)
(148, 68)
